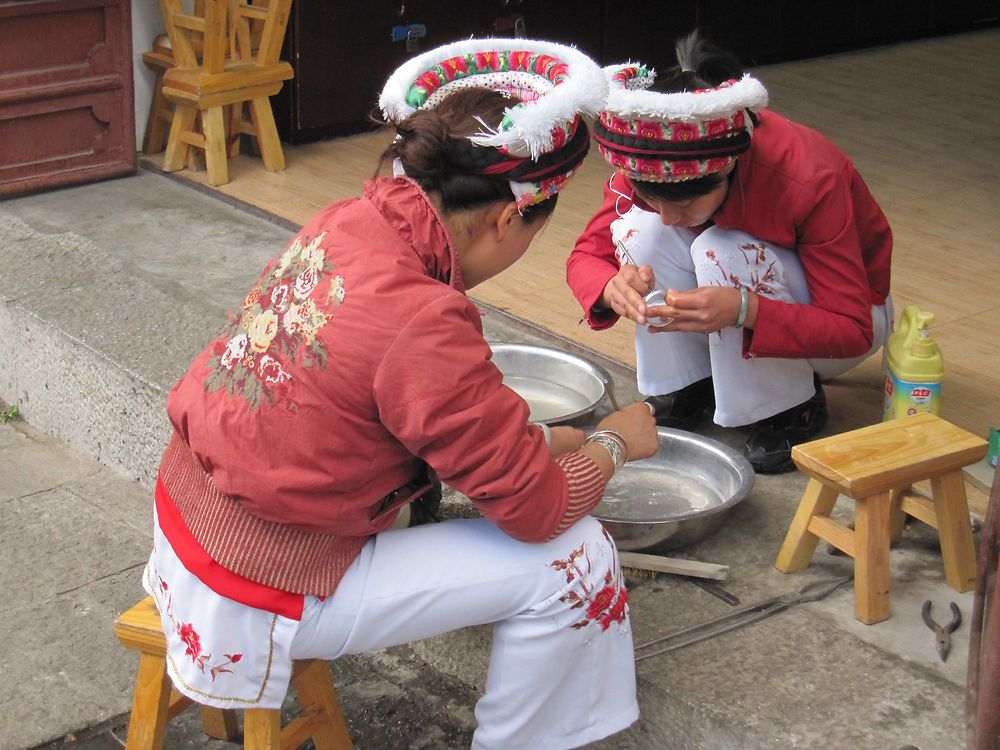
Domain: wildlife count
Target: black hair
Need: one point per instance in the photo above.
(432, 143)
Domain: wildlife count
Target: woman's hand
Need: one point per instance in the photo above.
(706, 309)
(637, 427)
(565, 440)
(635, 423)
(625, 291)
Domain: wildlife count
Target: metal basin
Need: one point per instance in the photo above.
(677, 497)
(559, 387)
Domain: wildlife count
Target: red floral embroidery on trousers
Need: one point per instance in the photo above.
(192, 640)
(604, 605)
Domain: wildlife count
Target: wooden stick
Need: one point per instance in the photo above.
(675, 565)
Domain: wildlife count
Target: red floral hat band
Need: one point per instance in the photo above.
(658, 137)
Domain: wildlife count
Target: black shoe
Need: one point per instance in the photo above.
(684, 409)
(769, 447)
(425, 508)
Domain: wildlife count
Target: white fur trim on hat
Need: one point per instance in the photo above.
(625, 100)
(528, 128)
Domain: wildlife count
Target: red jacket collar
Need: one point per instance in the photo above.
(409, 211)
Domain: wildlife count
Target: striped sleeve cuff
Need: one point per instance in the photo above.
(586, 488)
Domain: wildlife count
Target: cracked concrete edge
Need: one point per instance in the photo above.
(71, 392)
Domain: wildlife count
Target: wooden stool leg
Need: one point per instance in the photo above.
(897, 518)
(871, 559)
(177, 149)
(234, 121)
(156, 131)
(267, 134)
(800, 543)
(216, 158)
(958, 550)
(316, 694)
(150, 705)
(219, 723)
(262, 729)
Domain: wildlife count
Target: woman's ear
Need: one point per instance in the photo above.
(503, 218)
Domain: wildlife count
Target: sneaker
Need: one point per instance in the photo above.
(769, 447)
(684, 409)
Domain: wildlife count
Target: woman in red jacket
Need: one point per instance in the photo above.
(353, 376)
(772, 251)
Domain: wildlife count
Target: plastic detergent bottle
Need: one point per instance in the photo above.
(914, 367)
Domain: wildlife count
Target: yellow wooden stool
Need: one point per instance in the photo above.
(156, 702)
(876, 466)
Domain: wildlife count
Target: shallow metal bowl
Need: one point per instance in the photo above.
(559, 387)
(677, 497)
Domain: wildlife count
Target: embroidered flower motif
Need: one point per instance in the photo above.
(270, 370)
(718, 126)
(649, 130)
(681, 169)
(286, 259)
(262, 330)
(617, 611)
(305, 282)
(684, 131)
(235, 350)
(519, 60)
(337, 292)
(252, 297)
(542, 63)
(604, 605)
(278, 329)
(190, 637)
(601, 601)
(192, 641)
(616, 124)
(454, 66)
(281, 297)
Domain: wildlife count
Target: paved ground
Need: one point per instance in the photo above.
(75, 539)
(114, 286)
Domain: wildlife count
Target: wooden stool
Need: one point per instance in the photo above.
(160, 59)
(231, 72)
(875, 466)
(156, 702)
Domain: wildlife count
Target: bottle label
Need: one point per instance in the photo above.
(903, 398)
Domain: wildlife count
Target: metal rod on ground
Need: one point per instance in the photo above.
(750, 613)
(717, 591)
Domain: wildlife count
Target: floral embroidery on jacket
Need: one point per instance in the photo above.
(604, 604)
(278, 327)
(199, 657)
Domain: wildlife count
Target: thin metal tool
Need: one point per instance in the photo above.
(811, 592)
(717, 591)
(653, 298)
(943, 632)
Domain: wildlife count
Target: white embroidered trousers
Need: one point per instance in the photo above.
(746, 390)
(561, 671)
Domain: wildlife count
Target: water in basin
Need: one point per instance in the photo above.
(652, 494)
(547, 400)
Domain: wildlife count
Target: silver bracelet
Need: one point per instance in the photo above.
(614, 443)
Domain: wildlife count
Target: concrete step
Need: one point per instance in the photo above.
(115, 286)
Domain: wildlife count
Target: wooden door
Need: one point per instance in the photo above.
(66, 109)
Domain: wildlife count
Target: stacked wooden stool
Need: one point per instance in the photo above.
(156, 702)
(875, 466)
